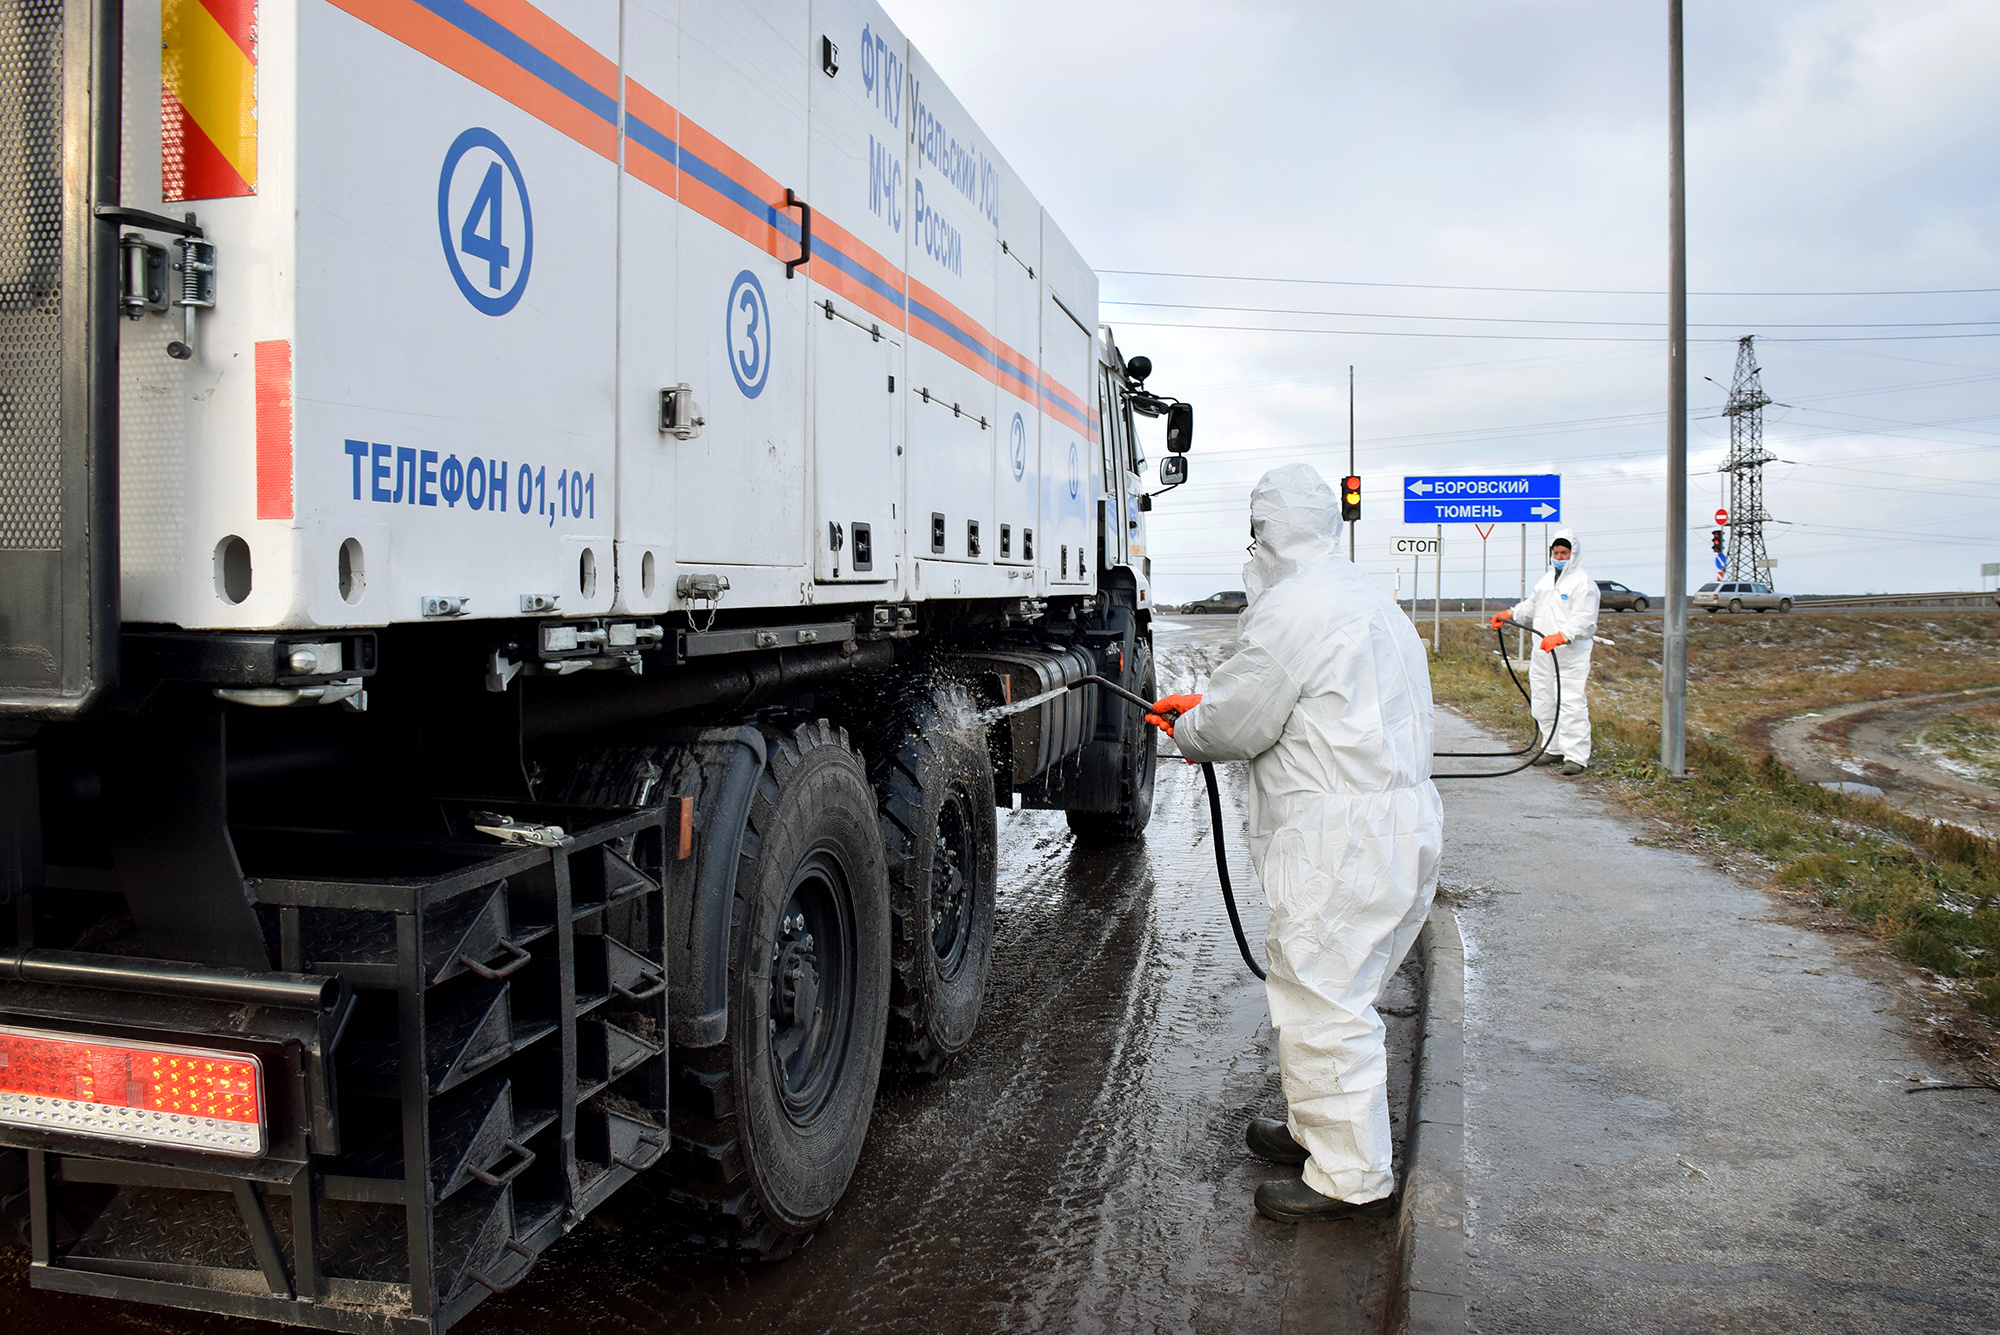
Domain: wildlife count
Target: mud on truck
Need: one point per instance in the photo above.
(515, 523)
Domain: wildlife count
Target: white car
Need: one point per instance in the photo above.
(1739, 595)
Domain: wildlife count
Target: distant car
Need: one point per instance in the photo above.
(1615, 597)
(1231, 602)
(1740, 595)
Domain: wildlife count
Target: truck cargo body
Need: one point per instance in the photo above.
(522, 521)
(445, 318)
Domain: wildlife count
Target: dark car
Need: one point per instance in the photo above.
(1232, 602)
(1615, 597)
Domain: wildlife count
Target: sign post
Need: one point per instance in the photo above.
(1521, 636)
(1484, 534)
(1416, 547)
(1437, 589)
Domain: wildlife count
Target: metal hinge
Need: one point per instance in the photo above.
(680, 415)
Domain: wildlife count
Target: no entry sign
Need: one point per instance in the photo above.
(1722, 516)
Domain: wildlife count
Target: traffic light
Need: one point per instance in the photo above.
(1350, 498)
(1715, 541)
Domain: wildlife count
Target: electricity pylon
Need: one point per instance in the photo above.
(1747, 457)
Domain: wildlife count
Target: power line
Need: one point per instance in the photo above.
(1552, 291)
(1525, 338)
(1511, 319)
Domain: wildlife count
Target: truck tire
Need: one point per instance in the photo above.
(769, 1124)
(939, 831)
(1137, 768)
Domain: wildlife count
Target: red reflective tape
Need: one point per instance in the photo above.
(274, 429)
(191, 166)
(238, 18)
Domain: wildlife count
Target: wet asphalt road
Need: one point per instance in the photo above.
(1079, 1169)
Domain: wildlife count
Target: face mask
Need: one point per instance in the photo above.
(1559, 566)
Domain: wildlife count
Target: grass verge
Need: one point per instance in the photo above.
(1930, 891)
(1967, 744)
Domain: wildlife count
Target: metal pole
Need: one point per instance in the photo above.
(1350, 456)
(1416, 585)
(1437, 588)
(1673, 649)
(1482, 573)
(1521, 636)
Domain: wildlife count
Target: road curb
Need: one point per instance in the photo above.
(1430, 1232)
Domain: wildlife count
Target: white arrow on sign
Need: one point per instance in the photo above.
(1421, 487)
(1544, 510)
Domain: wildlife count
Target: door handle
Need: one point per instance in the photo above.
(792, 201)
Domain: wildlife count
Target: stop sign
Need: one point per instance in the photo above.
(1722, 516)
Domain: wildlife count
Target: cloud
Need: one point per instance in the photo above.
(1834, 146)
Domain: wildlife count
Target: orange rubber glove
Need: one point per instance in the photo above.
(1168, 708)
(1500, 620)
(1550, 642)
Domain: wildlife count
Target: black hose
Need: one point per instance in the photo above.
(1501, 636)
(1214, 824)
(1222, 869)
(1540, 751)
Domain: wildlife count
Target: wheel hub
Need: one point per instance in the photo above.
(795, 978)
(953, 880)
(812, 969)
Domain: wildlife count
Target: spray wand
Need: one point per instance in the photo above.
(1215, 795)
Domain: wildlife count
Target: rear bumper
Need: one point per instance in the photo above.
(458, 1065)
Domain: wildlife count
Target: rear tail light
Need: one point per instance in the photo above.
(142, 1093)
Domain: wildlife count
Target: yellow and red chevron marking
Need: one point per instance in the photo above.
(208, 98)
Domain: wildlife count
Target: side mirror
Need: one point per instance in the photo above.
(1180, 428)
(1173, 470)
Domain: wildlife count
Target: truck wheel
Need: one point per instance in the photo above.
(935, 787)
(1135, 802)
(769, 1124)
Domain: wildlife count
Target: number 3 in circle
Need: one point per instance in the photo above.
(747, 327)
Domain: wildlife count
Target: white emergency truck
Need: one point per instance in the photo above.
(515, 519)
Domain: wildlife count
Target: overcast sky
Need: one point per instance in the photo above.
(1404, 156)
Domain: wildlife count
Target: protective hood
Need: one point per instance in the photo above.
(1568, 536)
(1295, 518)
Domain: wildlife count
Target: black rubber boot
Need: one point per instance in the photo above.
(1269, 1138)
(1290, 1201)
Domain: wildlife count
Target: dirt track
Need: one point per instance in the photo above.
(1873, 742)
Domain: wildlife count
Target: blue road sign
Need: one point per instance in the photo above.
(1494, 498)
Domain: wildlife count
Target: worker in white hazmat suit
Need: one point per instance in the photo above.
(1328, 697)
(1562, 608)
